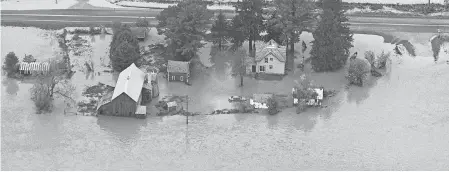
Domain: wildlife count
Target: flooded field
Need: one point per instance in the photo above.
(398, 122)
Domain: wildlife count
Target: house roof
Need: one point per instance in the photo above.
(178, 66)
(130, 82)
(139, 32)
(265, 49)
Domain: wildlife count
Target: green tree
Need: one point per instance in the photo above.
(142, 22)
(53, 83)
(124, 49)
(333, 39)
(184, 26)
(10, 64)
(251, 13)
(292, 18)
(238, 32)
(273, 32)
(273, 106)
(220, 31)
(238, 63)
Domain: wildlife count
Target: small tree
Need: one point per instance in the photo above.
(142, 22)
(238, 63)
(358, 71)
(10, 64)
(40, 94)
(53, 83)
(273, 107)
(382, 59)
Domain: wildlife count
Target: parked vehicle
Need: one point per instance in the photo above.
(236, 99)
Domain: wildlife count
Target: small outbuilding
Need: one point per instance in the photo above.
(260, 101)
(178, 71)
(127, 95)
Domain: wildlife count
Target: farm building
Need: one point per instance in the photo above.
(139, 32)
(260, 101)
(270, 58)
(127, 95)
(178, 71)
(311, 102)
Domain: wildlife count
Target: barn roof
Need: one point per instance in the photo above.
(130, 82)
(139, 32)
(264, 49)
(178, 66)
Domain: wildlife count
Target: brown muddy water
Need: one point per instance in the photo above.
(398, 122)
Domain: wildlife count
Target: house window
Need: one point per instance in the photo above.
(181, 78)
(271, 66)
(262, 68)
(271, 59)
(266, 60)
(173, 78)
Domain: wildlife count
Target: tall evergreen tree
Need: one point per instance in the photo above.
(292, 18)
(273, 32)
(332, 38)
(220, 31)
(238, 33)
(184, 26)
(251, 12)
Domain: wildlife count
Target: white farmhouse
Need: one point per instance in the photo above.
(270, 58)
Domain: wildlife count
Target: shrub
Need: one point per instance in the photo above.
(29, 59)
(358, 71)
(40, 94)
(382, 59)
(10, 64)
(369, 55)
(273, 107)
(302, 106)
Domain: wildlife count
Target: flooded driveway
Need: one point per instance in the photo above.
(398, 122)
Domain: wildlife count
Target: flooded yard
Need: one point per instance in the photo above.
(397, 122)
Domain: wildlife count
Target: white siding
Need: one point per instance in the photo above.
(278, 66)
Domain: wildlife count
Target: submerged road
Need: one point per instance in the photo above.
(85, 17)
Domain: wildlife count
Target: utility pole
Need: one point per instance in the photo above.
(187, 110)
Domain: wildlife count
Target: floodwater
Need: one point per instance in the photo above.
(398, 122)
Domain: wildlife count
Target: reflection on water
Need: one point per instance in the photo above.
(359, 94)
(12, 87)
(123, 128)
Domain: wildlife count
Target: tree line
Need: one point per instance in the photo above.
(186, 24)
